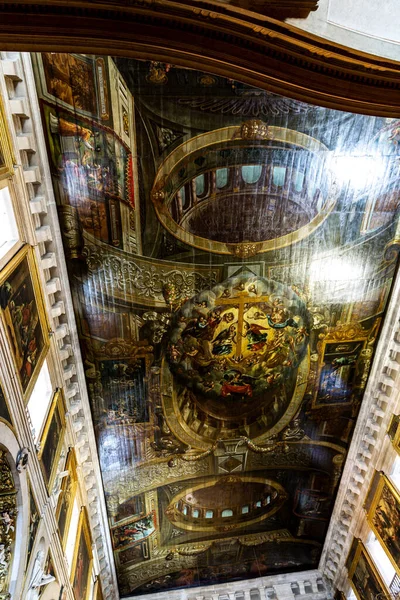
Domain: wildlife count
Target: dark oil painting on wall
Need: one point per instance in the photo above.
(22, 312)
(231, 254)
(364, 577)
(82, 561)
(52, 439)
(4, 411)
(34, 519)
(384, 518)
(67, 496)
(6, 158)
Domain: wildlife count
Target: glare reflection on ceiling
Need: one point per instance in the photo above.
(358, 172)
(337, 276)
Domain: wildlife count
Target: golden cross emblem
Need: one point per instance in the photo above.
(239, 301)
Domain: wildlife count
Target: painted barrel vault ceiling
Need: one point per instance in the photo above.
(230, 255)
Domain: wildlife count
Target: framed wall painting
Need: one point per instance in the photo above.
(34, 518)
(394, 432)
(4, 411)
(97, 594)
(384, 519)
(52, 439)
(364, 577)
(6, 156)
(82, 561)
(72, 80)
(337, 371)
(66, 498)
(22, 311)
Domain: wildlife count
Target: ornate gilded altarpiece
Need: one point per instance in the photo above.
(8, 511)
(230, 254)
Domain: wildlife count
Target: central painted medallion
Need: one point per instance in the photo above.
(236, 351)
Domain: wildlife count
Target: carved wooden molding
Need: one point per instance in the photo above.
(218, 37)
(277, 9)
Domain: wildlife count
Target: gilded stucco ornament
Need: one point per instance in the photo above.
(71, 230)
(254, 129)
(134, 277)
(8, 513)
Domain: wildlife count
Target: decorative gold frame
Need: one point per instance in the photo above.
(83, 525)
(393, 432)
(97, 593)
(334, 338)
(6, 167)
(383, 481)
(70, 466)
(361, 550)
(27, 252)
(57, 407)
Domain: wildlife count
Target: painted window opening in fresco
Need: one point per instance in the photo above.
(226, 355)
(39, 401)
(279, 176)
(9, 234)
(298, 180)
(221, 178)
(200, 185)
(251, 173)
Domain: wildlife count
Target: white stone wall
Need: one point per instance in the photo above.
(370, 449)
(364, 25)
(306, 585)
(37, 216)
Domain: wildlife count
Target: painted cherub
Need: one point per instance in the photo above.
(8, 521)
(3, 560)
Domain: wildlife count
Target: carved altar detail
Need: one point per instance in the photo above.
(8, 512)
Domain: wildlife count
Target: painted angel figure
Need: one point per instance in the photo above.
(8, 522)
(38, 578)
(3, 558)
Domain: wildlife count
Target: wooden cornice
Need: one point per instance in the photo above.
(214, 37)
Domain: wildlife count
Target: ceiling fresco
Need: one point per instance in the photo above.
(230, 255)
